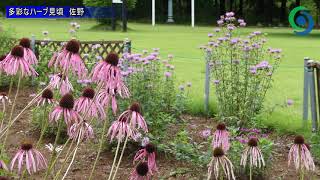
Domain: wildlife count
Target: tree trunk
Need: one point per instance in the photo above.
(260, 10)
(283, 13)
(222, 7)
(241, 8)
(231, 6)
(269, 12)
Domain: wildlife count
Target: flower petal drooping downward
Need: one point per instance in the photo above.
(221, 137)
(28, 53)
(15, 62)
(220, 163)
(29, 156)
(61, 82)
(87, 104)
(69, 60)
(46, 98)
(65, 110)
(81, 130)
(148, 153)
(300, 155)
(3, 165)
(253, 154)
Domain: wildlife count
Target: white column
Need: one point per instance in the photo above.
(170, 12)
(192, 13)
(153, 12)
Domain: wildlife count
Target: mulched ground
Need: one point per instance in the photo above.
(169, 168)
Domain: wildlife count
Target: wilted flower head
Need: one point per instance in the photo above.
(61, 82)
(4, 98)
(140, 172)
(147, 153)
(220, 163)
(69, 59)
(221, 137)
(89, 105)
(253, 154)
(16, 62)
(81, 130)
(65, 110)
(28, 155)
(45, 98)
(300, 155)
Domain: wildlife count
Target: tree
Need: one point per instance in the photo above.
(222, 8)
(240, 8)
(298, 2)
(283, 11)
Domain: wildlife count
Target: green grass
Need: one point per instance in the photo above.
(183, 43)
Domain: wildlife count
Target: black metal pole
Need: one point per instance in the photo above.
(124, 15)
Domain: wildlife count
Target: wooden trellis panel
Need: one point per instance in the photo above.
(87, 47)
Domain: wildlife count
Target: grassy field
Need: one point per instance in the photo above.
(183, 43)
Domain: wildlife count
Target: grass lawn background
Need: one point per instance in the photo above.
(183, 42)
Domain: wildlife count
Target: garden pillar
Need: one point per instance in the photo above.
(313, 97)
(207, 82)
(306, 88)
(170, 12)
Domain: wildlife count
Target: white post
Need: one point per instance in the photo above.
(153, 12)
(170, 12)
(192, 13)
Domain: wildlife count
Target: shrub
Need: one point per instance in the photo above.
(241, 68)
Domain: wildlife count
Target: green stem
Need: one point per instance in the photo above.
(114, 160)
(51, 164)
(250, 172)
(10, 86)
(100, 147)
(67, 156)
(122, 152)
(44, 125)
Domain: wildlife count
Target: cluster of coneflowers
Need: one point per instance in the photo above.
(77, 115)
(220, 166)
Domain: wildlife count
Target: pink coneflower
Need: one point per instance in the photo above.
(107, 70)
(300, 155)
(81, 130)
(15, 62)
(28, 53)
(61, 82)
(70, 59)
(220, 163)
(108, 94)
(86, 104)
(121, 128)
(221, 137)
(134, 117)
(45, 98)
(65, 110)
(3, 165)
(141, 172)
(34, 160)
(253, 153)
(147, 153)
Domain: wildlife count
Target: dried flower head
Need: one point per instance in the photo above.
(112, 59)
(17, 51)
(73, 46)
(88, 92)
(218, 152)
(67, 101)
(47, 94)
(25, 42)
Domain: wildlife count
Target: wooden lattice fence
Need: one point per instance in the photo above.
(98, 48)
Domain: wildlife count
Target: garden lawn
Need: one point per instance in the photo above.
(183, 42)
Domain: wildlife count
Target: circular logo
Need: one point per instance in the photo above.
(303, 23)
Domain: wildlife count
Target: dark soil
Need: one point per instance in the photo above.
(169, 168)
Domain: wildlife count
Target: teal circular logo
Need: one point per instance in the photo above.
(303, 23)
